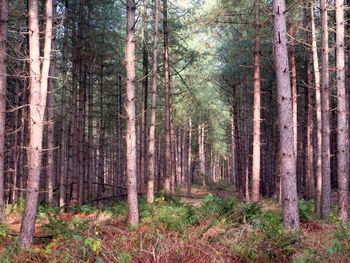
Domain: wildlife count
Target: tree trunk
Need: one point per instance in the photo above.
(50, 169)
(201, 153)
(318, 113)
(81, 106)
(256, 110)
(63, 149)
(74, 147)
(37, 104)
(3, 89)
(342, 134)
(167, 170)
(90, 133)
(287, 154)
(233, 155)
(143, 139)
(309, 180)
(133, 213)
(173, 160)
(294, 89)
(325, 151)
(189, 161)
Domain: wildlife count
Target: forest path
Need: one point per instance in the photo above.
(199, 192)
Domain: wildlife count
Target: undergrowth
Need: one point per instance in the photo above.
(219, 230)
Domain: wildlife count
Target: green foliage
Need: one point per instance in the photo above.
(267, 241)
(85, 209)
(250, 211)
(119, 208)
(94, 244)
(341, 242)
(145, 209)
(18, 207)
(56, 226)
(171, 217)
(219, 206)
(306, 210)
(4, 229)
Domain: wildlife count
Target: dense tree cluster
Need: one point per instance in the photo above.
(105, 98)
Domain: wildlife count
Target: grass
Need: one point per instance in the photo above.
(217, 230)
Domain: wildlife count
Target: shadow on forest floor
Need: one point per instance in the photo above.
(209, 227)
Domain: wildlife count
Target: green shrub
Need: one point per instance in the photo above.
(171, 217)
(306, 210)
(219, 206)
(85, 209)
(341, 242)
(119, 208)
(249, 212)
(145, 209)
(18, 207)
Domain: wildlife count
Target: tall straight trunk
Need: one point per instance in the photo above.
(343, 129)
(81, 106)
(238, 162)
(133, 213)
(183, 156)
(120, 167)
(245, 138)
(50, 169)
(74, 167)
(90, 133)
(167, 170)
(287, 154)
(310, 179)
(325, 145)
(295, 100)
(318, 112)
(201, 153)
(178, 147)
(159, 163)
(233, 154)
(101, 143)
(256, 109)
(173, 160)
(152, 127)
(3, 88)
(189, 160)
(37, 105)
(14, 192)
(294, 89)
(63, 149)
(143, 139)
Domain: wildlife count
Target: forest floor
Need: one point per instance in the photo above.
(212, 226)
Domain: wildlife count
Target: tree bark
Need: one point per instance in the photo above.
(152, 128)
(294, 89)
(81, 106)
(233, 155)
(189, 160)
(256, 110)
(133, 214)
(343, 129)
(318, 112)
(90, 133)
(167, 170)
(50, 169)
(63, 149)
(143, 139)
(3, 89)
(201, 153)
(325, 145)
(37, 104)
(287, 154)
(309, 108)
